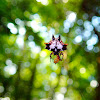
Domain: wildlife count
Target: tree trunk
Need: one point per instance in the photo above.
(98, 76)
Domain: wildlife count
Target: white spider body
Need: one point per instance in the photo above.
(56, 45)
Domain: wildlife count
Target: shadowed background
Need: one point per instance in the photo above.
(26, 72)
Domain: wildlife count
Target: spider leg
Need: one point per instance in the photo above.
(59, 57)
(61, 54)
(50, 56)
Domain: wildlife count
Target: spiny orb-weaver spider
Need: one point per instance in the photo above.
(56, 46)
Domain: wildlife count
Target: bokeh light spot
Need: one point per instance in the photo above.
(93, 83)
(14, 30)
(30, 38)
(82, 70)
(71, 17)
(63, 90)
(1, 89)
(22, 31)
(44, 2)
(65, 1)
(10, 25)
(43, 54)
(20, 41)
(59, 96)
(8, 62)
(10, 69)
(78, 39)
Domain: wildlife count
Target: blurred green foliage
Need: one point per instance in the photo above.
(26, 72)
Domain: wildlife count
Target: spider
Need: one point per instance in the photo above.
(56, 46)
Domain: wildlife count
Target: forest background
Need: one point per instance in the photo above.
(26, 72)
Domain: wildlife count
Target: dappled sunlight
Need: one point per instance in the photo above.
(63, 90)
(96, 49)
(95, 21)
(6, 98)
(86, 34)
(93, 83)
(31, 44)
(10, 69)
(90, 47)
(22, 31)
(59, 96)
(93, 40)
(82, 70)
(30, 37)
(19, 22)
(46, 87)
(43, 54)
(53, 76)
(1, 89)
(43, 29)
(20, 41)
(69, 81)
(12, 28)
(78, 39)
(36, 50)
(26, 70)
(35, 26)
(71, 17)
(80, 22)
(88, 26)
(65, 1)
(64, 71)
(69, 22)
(44, 2)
